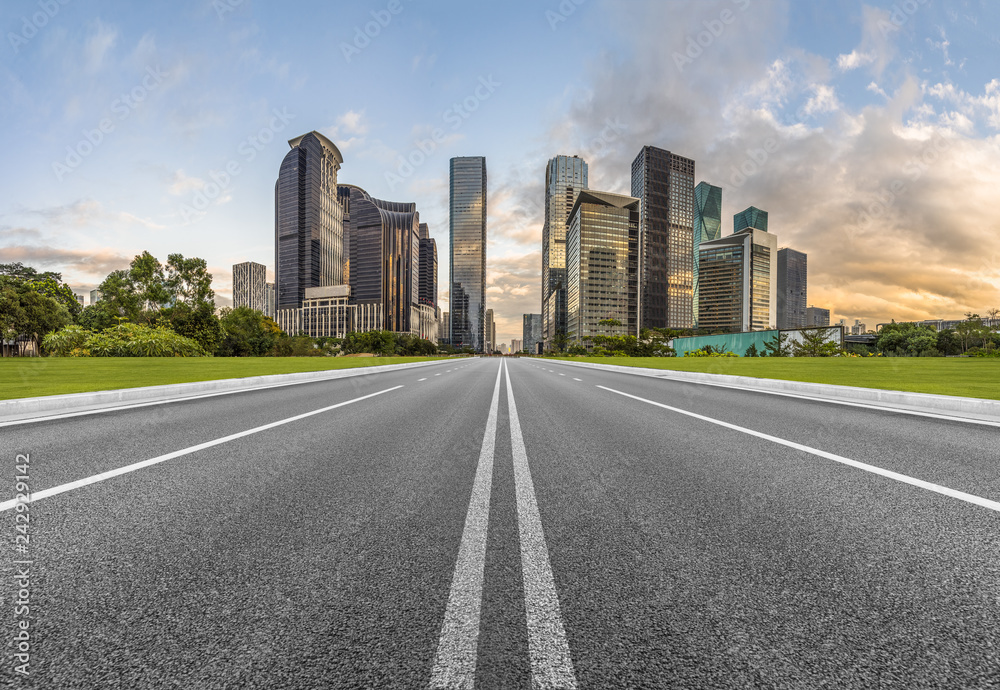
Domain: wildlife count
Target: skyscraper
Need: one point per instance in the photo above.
(308, 220)
(707, 227)
(491, 331)
(250, 286)
(750, 217)
(817, 316)
(738, 275)
(565, 176)
(601, 265)
(664, 184)
(467, 251)
(384, 242)
(791, 288)
(531, 332)
(428, 268)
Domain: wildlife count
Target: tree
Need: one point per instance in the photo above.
(198, 323)
(778, 347)
(561, 340)
(26, 312)
(147, 278)
(752, 351)
(247, 333)
(188, 281)
(970, 330)
(814, 344)
(120, 297)
(947, 343)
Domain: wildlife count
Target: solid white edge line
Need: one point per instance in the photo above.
(458, 645)
(912, 481)
(551, 662)
(62, 488)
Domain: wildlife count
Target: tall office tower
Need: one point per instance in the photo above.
(444, 328)
(664, 184)
(565, 176)
(95, 296)
(428, 268)
(602, 264)
(490, 331)
(384, 241)
(516, 345)
(269, 294)
(308, 220)
(531, 332)
(250, 286)
(467, 251)
(817, 316)
(738, 275)
(707, 227)
(750, 217)
(791, 288)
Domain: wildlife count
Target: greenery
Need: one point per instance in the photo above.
(971, 336)
(123, 340)
(22, 377)
(814, 344)
(778, 346)
(971, 377)
(33, 304)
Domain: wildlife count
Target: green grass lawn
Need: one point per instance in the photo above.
(28, 377)
(971, 377)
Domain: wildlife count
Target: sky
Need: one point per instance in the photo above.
(870, 132)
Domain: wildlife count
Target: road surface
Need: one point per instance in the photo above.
(498, 523)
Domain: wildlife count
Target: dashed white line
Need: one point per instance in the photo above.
(912, 481)
(576, 379)
(455, 661)
(551, 663)
(62, 488)
(423, 379)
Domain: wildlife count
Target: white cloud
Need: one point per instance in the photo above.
(182, 183)
(854, 59)
(99, 42)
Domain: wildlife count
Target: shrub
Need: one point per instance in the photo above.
(63, 342)
(124, 340)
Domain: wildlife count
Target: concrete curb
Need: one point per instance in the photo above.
(955, 406)
(21, 409)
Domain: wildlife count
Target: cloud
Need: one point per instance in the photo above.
(854, 59)
(96, 263)
(84, 213)
(349, 130)
(182, 184)
(100, 40)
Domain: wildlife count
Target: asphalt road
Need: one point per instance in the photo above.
(490, 525)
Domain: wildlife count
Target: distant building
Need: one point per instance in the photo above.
(738, 275)
(601, 265)
(707, 227)
(792, 288)
(664, 184)
(95, 296)
(858, 328)
(565, 177)
(817, 316)
(428, 292)
(531, 332)
(444, 328)
(504, 350)
(516, 345)
(467, 251)
(79, 298)
(250, 287)
(309, 220)
(269, 294)
(490, 331)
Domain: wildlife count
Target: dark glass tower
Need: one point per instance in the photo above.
(467, 251)
(707, 227)
(664, 184)
(792, 296)
(308, 220)
(751, 217)
(384, 261)
(565, 176)
(428, 268)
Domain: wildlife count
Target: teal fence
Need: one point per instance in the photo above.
(737, 343)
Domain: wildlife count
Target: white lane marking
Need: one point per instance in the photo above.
(423, 379)
(551, 663)
(576, 379)
(455, 661)
(437, 374)
(62, 488)
(912, 481)
(562, 374)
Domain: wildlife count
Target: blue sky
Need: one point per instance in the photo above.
(869, 131)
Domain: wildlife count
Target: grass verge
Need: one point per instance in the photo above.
(28, 377)
(970, 377)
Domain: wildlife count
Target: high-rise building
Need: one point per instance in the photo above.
(707, 227)
(444, 328)
(384, 257)
(428, 293)
(467, 251)
(250, 286)
(269, 294)
(817, 316)
(738, 275)
(516, 345)
(750, 217)
(791, 288)
(664, 184)
(858, 328)
(565, 176)
(491, 331)
(95, 296)
(531, 332)
(601, 265)
(308, 219)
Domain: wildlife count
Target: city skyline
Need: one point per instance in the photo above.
(852, 123)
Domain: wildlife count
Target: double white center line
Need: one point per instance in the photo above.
(455, 662)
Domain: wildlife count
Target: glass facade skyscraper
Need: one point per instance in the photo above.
(707, 227)
(308, 220)
(428, 294)
(531, 332)
(602, 265)
(750, 217)
(738, 275)
(467, 251)
(664, 184)
(792, 297)
(565, 176)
